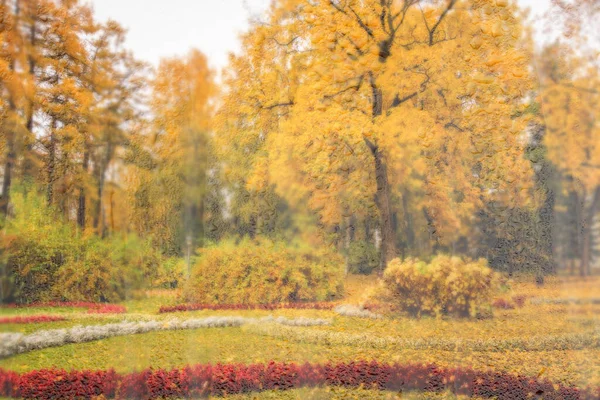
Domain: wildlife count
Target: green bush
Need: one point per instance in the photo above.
(363, 257)
(171, 273)
(445, 286)
(264, 272)
(34, 246)
(45, 258)
(106, 270)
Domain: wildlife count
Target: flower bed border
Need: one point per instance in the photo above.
(92, 308)
(269, 307)
(225, 379)
(16, 343)
(31, 319)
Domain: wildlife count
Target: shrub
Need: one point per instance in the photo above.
(445, 286)
(45, 258)
(106, 270)
(34, 246)
(170, 273)
(263, 273)
(363, 257)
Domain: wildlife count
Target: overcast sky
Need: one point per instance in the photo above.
(159, 28)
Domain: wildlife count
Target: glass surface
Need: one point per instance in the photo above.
(306, 199)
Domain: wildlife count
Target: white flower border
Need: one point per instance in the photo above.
(16, 343)
(348, 310)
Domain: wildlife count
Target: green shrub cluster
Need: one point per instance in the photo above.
(363, 257)
(45, 258)
(445, 286)
(259, 272)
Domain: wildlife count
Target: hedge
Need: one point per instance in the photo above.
(225, 379)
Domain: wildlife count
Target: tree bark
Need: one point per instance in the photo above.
(51, 165)
(383, 195)
(28, 164)
(81, 209)
(382, 200)
(586, 246)
(408, 222)
(7, 181)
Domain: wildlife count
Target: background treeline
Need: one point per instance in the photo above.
(330, 130)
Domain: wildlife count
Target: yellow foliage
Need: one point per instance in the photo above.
(446, 285)
(263, 272)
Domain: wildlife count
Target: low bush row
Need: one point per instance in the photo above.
(573, 341)
(31, 319)
(15, 343)
(273, 306)
(225, 379)
(92, 308)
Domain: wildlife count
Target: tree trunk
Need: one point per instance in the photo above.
(586, 246)
(382, 200)
(383, 195)
(7, 181)
(81, 209)
(28, 163)
(408, 223)
(347, 240)
(51, 165)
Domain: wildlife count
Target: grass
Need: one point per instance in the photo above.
(343, 393)
(212, 345)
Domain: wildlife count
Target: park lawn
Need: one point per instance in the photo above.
(345, 393)
(169, 349)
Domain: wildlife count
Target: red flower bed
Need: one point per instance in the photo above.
(224, 379)
(93, 308)
(514, 302)
(196, 307)
(503, 304)
(31, 319)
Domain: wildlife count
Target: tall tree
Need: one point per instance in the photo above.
(169, 191)
(364, 99)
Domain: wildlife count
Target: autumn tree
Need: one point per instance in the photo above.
(172, 157)
(356, 104)
(569, 94)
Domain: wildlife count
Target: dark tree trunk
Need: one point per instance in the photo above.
(8, 169)
(28, 164)
(81, 208)
(383, 195)
(586, 245)
(408, 222)
(382, 200)
(51, 164)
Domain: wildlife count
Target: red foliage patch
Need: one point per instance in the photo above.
(503, 304)
(224, 379)
(93, 308)
(31, 319)
(197, 307)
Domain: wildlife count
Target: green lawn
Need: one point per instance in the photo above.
(168, 349)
